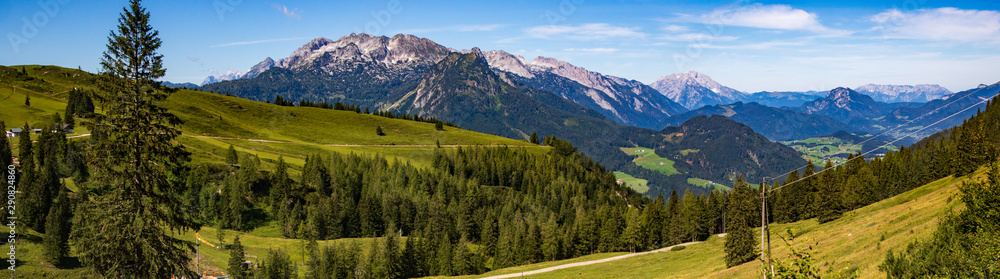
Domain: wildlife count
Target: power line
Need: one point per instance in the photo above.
(915, 119)
(884, 145)
(884, 133)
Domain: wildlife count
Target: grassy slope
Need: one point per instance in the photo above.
(213, 122)
(637, 184)
(705, 183)
(648, 159)
(855, 243)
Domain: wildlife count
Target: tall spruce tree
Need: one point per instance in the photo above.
(6, 153)
(740, 241)
(232, 157)
(125, 226)
(236, 268)
(27, 182)
(57, 228)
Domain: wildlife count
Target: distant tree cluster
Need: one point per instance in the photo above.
(80, 104)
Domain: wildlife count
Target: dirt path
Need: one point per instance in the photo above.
(78, 136)
(571, 265)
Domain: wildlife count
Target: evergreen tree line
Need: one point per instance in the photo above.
(278, 100)
(519, 207)
(44, 203)
(861, 181)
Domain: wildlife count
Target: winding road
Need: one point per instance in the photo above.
(571, 265)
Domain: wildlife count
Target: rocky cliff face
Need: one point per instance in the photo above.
(625, 101)
(694, 90)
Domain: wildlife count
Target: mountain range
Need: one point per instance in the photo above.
(626, 101)
(491, 92)
(505, 94)
(904, 93)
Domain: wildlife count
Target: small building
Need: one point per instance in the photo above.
(621, 181)
(38, 131)
(62, 128)
(14, 132)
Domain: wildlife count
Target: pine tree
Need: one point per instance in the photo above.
(278, 266)
(439, 126)
(137, 157)
(633, 229)
(57, 228)
(30, 192)
(24, 71)
(236, 268)
(40, 197)
(232, 158)
(533, 138)
(378, 130)
(830, 205)
(27, 98)
(740, 241)
(68, 119)
(6, 153)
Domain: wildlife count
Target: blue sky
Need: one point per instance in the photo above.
(748, 45)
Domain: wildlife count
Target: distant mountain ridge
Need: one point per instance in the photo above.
(694, 90)
(904, 93)
(845, 105)
(774, 123)
(782, 99)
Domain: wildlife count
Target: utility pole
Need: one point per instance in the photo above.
(763, 214)
(765, 228)
(197, 255)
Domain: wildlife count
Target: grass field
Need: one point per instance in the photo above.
(707, 184)
(637, 184)
(648, 159)
(854, 244)
(819, 149)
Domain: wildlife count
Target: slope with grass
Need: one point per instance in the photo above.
(646, 158)
(212, 123)
(855, 244)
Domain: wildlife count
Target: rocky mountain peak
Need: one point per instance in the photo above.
(504, 61)
(694, 90)
(840, 93)
(259, 68)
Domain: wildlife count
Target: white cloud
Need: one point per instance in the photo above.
(593, 50)
(584, 32)
(676, 28)
(289, 13)
(942, 24)
(780, 17)
(697, 37)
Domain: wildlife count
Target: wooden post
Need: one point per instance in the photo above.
(763, 214)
